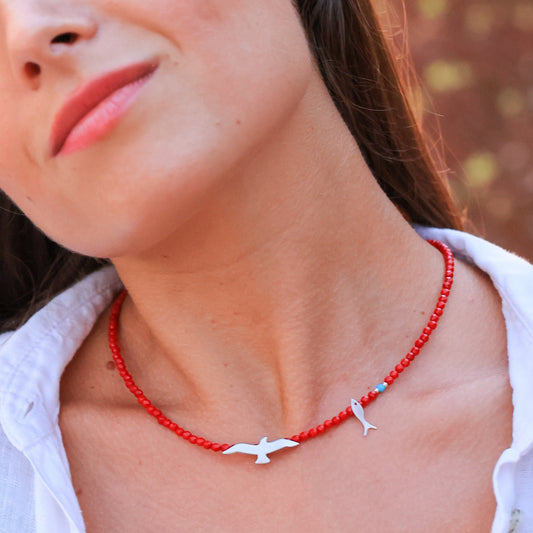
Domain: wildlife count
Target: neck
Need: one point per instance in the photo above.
(278, 289)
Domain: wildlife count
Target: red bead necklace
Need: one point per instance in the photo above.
(265, 447)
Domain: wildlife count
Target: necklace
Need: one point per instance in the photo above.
(264, 447)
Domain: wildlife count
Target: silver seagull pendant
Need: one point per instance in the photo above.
(262, 449)
(359, 413)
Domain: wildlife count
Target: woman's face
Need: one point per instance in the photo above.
(178, 93)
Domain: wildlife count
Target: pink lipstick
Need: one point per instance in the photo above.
(94, 108)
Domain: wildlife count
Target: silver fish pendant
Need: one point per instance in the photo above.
(359, 413)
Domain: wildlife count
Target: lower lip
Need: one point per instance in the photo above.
(102, 119)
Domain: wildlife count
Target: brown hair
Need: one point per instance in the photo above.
(363, 80)
(33, 268)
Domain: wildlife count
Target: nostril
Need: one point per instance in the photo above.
(66, 38)
(32, 70)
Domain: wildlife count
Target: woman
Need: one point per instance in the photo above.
(253, 172)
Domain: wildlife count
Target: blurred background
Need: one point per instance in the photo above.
(475, 59)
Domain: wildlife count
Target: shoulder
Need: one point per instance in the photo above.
(32, 361)
(512, 278)
(511, 275)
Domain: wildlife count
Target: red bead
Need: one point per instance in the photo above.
(364, 401)
(343, 415)
(388, 380)
(394, 374)
(445, 292)
(405, 362)
(295, 438)
(207, 444)
(415, 351)
(173, 426)
(321, 428)
(192, 439)
(161, 419)
(336, 420)
(215, 447)
(424, 337)
(410, 356)
(313, 433)
(224, 447)
(200, 441)
(428, 330)
(328, 424)
(419, 343)
(372, 395)
(179, 431)
(304, 436)
(186, 434)
(399, 368)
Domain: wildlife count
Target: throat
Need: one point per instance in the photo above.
(356, 407)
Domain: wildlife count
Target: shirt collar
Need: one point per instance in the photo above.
(32, 360)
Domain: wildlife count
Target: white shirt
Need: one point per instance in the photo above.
(36, 491)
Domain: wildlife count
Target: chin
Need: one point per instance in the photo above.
(134, 234)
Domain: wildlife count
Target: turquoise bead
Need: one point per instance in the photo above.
(381, 387)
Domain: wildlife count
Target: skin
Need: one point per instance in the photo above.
(270, 280)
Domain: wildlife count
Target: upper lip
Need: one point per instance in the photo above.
(87, 96)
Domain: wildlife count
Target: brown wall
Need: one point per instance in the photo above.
(476, 61)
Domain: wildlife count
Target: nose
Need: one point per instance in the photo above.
(41, 36)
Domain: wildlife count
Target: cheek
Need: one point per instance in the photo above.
(11, 161)
(237, 50)
(237, 69)
(254, 66)
(17, 179)
(20, 169)
(173, 19)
